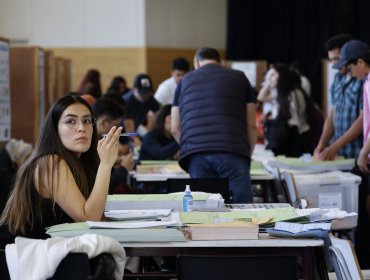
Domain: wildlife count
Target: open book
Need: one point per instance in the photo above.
(344, 259)
(222, 231)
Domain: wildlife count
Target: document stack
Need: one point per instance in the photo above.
(160, 201)
(303, 165)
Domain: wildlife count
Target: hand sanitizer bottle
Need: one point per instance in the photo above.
(187, 200)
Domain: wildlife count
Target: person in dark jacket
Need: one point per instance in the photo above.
(214, 120)
(12, 156)
(117, 89)
(160, 144)
(124, 163)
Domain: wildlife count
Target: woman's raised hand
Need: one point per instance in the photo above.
(108, 146)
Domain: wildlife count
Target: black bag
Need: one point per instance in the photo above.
(102, 267)
(277, 133)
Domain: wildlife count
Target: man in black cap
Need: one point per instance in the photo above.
(141, 106)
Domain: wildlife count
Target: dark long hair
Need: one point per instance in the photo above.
(159, 126)
(285, 85)
(91, 83)
(114, 87)
(24, 210)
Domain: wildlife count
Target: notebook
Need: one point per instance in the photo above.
(222, 231)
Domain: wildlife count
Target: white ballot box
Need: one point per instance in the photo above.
(335, 189)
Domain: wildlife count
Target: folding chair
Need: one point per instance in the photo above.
(344, 259)
(290, 189)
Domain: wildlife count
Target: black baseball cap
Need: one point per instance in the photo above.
(144, 84)
(352, 50)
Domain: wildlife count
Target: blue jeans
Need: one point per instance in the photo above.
(234, 167)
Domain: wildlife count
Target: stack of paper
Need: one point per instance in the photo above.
(119, 234)
(340, 219)
(295, 228)
(158, 171)
(314, 165)
(159, 168)
(132, 225)
(160, 201)
(149, 214)
(222, 231)
(259, 206)
(267, 216)
(261, 154)
(284, 229)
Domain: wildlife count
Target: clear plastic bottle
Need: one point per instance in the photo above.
(187, 200)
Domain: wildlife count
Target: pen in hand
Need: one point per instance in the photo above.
(127, 134)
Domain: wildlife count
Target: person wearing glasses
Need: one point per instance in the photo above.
(67, 176)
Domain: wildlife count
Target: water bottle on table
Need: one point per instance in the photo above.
(187, 200)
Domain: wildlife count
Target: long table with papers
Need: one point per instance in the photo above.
(152, 171)
(140, 241)
(158, 171)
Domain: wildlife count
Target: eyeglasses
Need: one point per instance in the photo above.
(74, 122)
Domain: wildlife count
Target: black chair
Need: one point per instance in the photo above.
(236, 267)
(75, 266)
(210, 185)
(4, 272)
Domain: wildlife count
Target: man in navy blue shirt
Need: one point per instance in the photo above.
(214, 119)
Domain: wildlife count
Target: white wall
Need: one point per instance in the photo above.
(74, 23)
(115, 23)
(15, 19)
(186, 23)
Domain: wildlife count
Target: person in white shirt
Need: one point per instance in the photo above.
(286, 127)
(166, 90)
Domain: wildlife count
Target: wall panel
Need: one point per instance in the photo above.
(109, 61)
